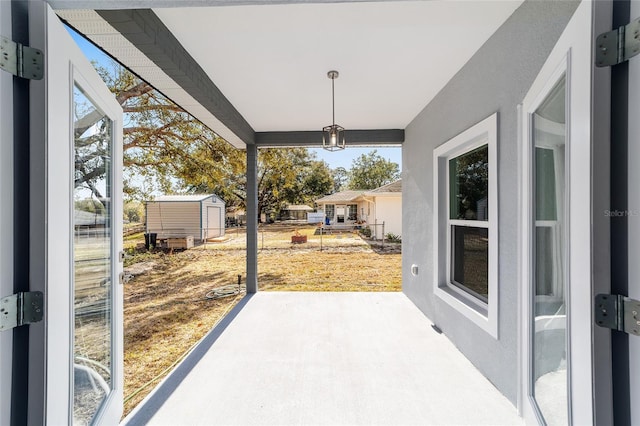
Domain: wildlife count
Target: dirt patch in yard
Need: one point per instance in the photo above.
(166, 309)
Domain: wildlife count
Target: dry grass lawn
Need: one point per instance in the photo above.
(166, 309)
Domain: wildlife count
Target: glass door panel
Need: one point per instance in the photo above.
(93, 277)
(549, 313)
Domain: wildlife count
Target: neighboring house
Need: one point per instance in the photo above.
(295, 212)
(201, 216)
(344, 207)
(519, 102)
(380, 208)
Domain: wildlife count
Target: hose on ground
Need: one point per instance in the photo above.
(224, 291)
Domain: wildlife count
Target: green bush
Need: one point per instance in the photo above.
(393, 238)
(366, 231)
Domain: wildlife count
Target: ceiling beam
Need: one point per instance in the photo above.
(146, 4)
(147, 32)
(381, 137)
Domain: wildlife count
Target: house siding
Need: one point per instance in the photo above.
(174, 218)
(495, 79)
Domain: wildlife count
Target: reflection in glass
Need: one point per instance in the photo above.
(92, 373)
(549, 322)
(470, 260)
(469, 185)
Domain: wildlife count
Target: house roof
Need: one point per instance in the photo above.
(194, 197)
(341, 197)
(390, 187)
(394, 188)
(256, 73)
(299, 207)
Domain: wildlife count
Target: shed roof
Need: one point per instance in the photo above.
(194, 197)
(341, 197)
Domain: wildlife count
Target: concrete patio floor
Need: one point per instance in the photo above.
(325, 358)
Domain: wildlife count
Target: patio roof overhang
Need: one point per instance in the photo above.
(254, 71)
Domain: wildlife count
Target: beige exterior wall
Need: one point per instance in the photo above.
(389, 211)
(174, 218)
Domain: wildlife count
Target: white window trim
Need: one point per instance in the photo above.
(485, 315)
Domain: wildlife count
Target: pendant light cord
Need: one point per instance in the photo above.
(333, 99)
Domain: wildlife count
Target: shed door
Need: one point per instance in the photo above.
(214, 219)
(84, 349)
(555, 233)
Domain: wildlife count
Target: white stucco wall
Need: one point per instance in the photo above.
(494, 80)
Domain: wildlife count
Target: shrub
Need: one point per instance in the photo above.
(366, 231)
(393, 238)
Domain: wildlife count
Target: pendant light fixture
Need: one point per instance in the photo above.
(333, 135)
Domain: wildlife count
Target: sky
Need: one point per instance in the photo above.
(343, 158)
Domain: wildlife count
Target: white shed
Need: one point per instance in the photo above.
(181, 215)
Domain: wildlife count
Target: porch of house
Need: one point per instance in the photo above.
(325, 358)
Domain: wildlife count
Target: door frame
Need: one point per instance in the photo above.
(572, 54)
(601, 255)
(633, 286)
(40, 397)
(7, 219)
(66, 60)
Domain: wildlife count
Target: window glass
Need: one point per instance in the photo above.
(329, 211)
(92, 280)
(353, 212)
(549, 320)
(469, 185)
(470, 260)
(544, 273)
(545, 184)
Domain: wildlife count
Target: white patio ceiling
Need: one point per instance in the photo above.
(270, 61)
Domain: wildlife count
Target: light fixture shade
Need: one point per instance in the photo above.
(333, 137)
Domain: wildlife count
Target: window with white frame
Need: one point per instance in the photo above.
(468, 222)
(465, 223)
(353, 212)
(329, 210)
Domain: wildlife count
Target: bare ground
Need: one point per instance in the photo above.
(166, 309)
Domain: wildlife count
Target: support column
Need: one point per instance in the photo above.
(252, 219)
